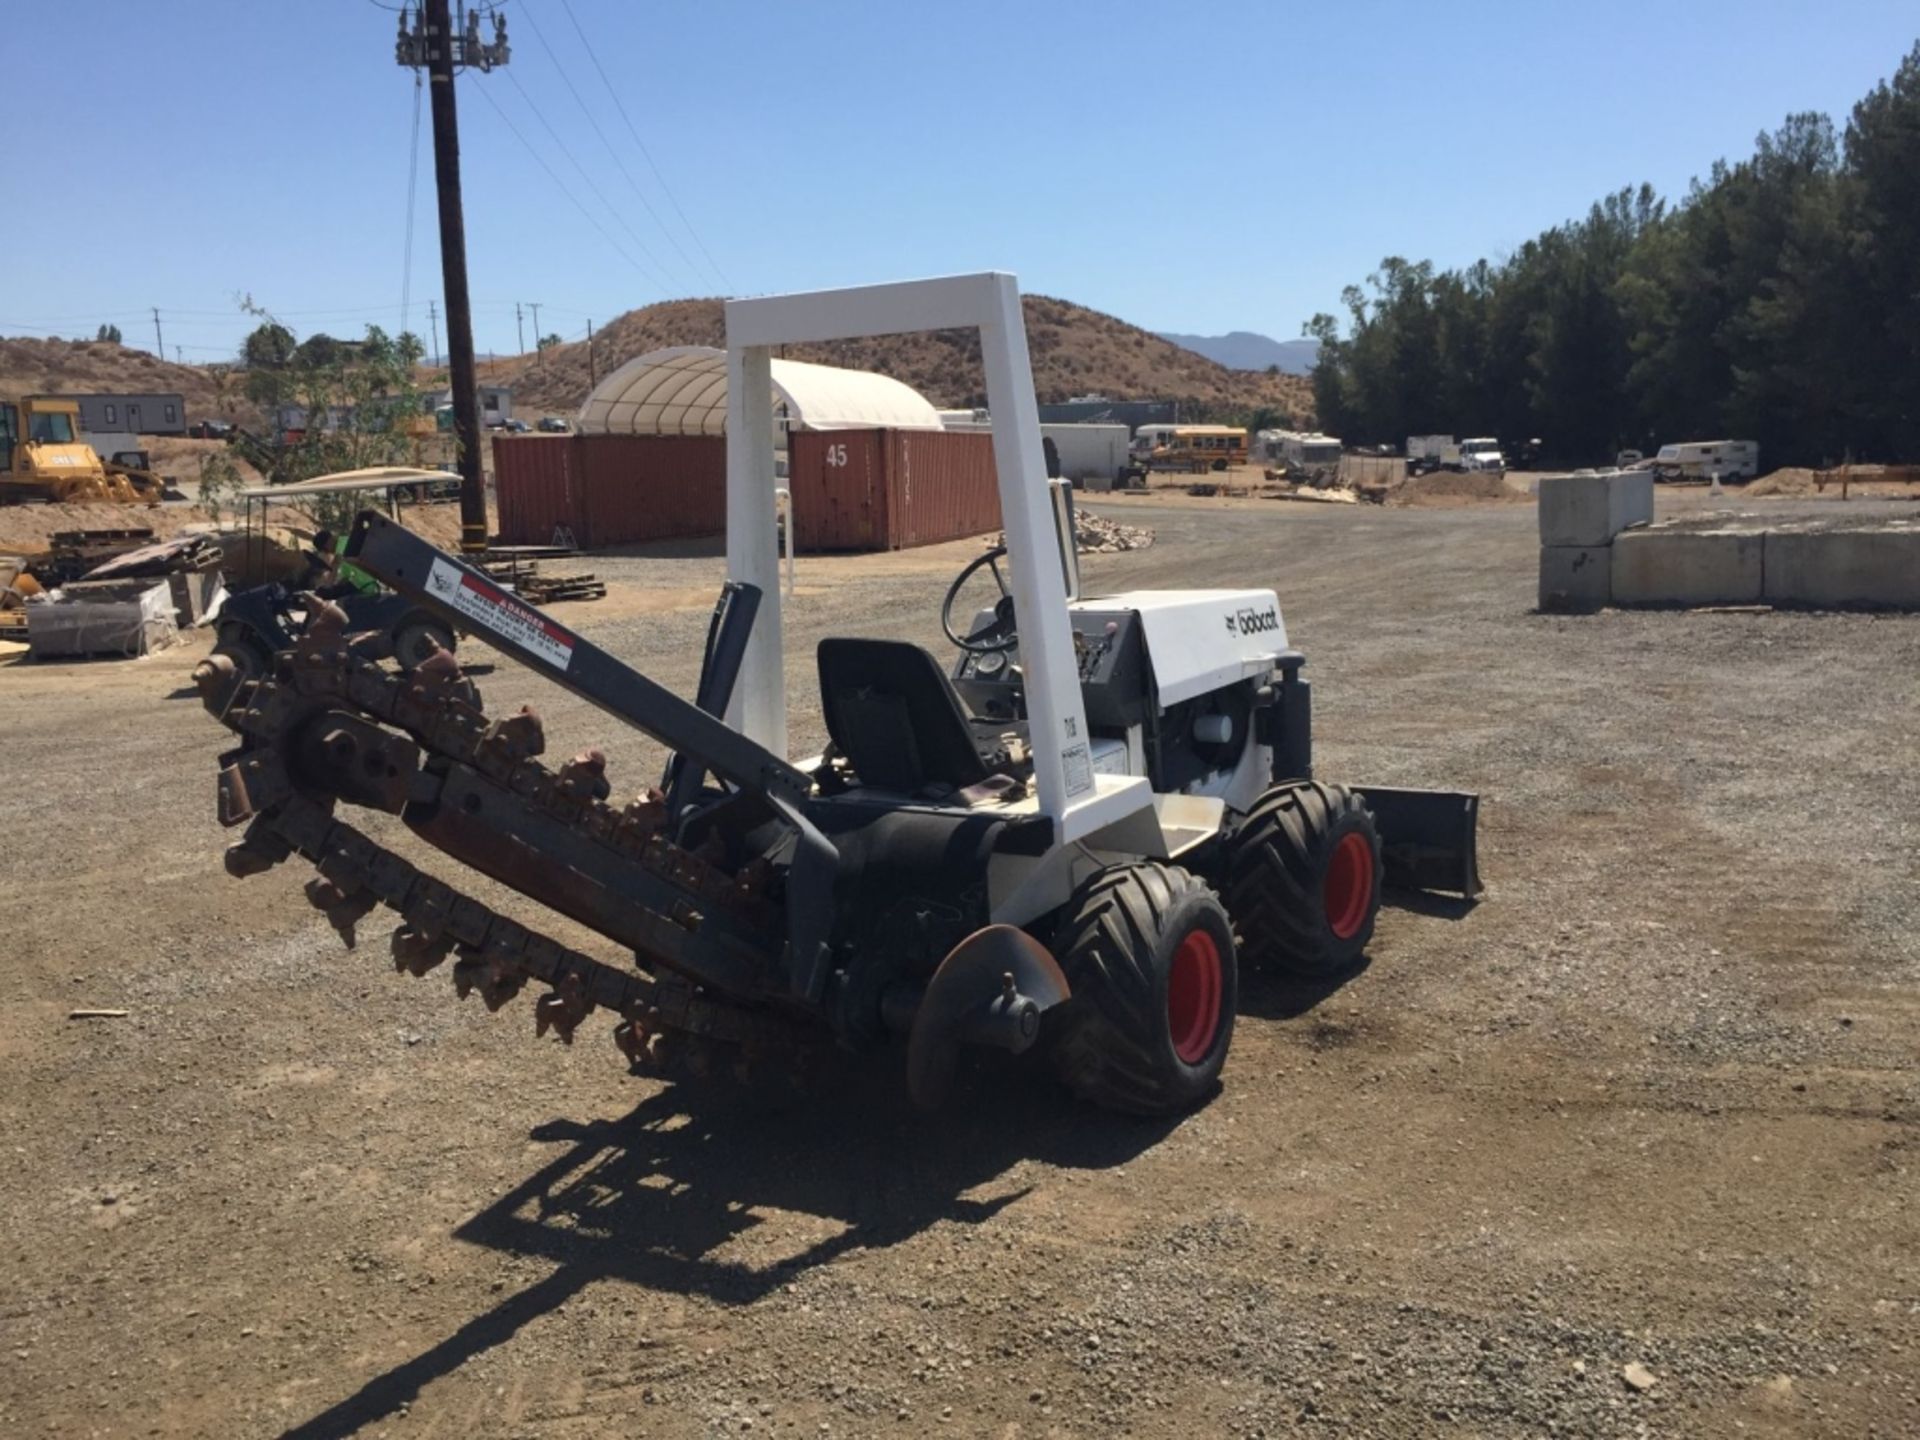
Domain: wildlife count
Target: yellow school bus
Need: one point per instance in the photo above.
(1196, 448)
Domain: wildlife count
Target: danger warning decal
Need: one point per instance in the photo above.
(498, 613)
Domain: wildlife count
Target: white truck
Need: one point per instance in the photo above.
(1482, 455)
(1707, 460)
(1442, 452)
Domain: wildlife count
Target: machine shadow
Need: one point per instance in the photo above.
(656, 1198)
(1288, 997)
(1425, 902)
(1267, 996)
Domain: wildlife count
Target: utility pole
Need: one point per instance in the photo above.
(433, 321)
(592, 378)
(433, 43)
(534, 306)
(520, 330)
(160, 345)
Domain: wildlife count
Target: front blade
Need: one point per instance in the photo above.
(1429, 838)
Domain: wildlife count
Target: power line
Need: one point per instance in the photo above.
(613, 154)
(540, 160)
(592, 185)
(372, 314)
(93, 318)
(648, 154)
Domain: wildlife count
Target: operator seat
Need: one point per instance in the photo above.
(893, 713)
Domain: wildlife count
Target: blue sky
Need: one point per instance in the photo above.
(1197, 167)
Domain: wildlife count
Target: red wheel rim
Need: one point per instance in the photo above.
(1193, 996)
(1348, 888)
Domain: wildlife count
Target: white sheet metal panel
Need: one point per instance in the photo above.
(683, 391)
(1199, 640)
(1088, 449)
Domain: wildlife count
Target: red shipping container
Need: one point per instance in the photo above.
(609, 489)
(653, 487)
(537, 487)
(890, 489)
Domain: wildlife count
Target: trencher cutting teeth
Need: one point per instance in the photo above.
(438, 710)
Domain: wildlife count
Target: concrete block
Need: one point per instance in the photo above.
(1879, 567)
(1688, 567)
(1592, 507)
(1574, 577)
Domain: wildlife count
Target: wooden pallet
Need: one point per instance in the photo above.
(543, 590)
(538, 589)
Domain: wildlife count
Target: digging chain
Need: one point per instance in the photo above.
(666, 1023)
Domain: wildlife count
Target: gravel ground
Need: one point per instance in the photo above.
(1627, 1149)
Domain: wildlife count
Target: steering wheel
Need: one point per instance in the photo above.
(998, 633)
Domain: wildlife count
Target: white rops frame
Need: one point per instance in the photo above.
(1079, 801)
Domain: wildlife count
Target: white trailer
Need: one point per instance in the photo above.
(1085, 451)
(109, 443)
(1708, 459)
(1089, 452)
(1432, 452)
(1305, 452)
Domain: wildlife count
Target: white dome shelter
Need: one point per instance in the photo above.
(683, 391)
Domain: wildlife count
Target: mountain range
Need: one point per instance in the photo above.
(1246, 350)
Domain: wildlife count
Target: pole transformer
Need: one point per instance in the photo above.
(433, 43)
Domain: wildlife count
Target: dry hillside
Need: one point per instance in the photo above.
(79, 367)
(1075, 351)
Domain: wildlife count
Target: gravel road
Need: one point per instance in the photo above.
(1629, 1148)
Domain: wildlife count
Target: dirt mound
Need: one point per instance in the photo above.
(82, 367)
(1793, 480)
(28, 530)
(1075, 351)
(1800, 483)
(1444, 489)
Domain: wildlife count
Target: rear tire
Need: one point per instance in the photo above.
(1303, 879)
(251, 660)
(1149, 952)
(415, 643)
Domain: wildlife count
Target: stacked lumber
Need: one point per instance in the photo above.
(525, 577)
(545, 589)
